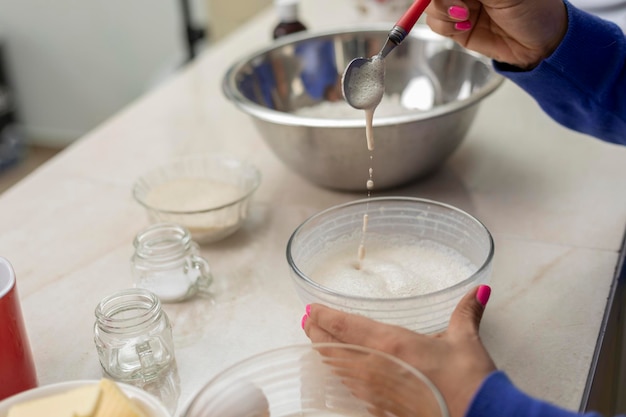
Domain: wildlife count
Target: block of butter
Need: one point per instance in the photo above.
(98, 400)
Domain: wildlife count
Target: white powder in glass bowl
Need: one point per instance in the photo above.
(208, 194)
(392, 271)
(191, 194)
(209, 209)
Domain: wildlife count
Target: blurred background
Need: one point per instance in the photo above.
(68, 65)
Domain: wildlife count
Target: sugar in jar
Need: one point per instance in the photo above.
(167, 262)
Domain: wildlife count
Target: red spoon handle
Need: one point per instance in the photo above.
(408, 19)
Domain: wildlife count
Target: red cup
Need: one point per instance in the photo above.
(17, 369)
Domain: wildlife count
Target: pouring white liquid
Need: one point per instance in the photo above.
(366, 88)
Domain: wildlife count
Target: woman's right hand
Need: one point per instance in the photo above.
(517, 32)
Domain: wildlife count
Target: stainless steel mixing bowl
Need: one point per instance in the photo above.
(291, 89)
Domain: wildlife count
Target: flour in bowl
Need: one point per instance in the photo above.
(392, 270)
(209, 209)
(191, 194)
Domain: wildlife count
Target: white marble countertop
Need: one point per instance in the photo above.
(552, 198)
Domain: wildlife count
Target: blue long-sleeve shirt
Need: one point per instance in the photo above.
(497, 396)
(582, 85)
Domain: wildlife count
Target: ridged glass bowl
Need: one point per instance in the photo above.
(330, 380)
(419, 258)
(207, 194)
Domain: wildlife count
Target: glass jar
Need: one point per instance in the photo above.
(133, 337)
(167, 262)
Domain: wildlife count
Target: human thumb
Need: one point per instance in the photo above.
(466, 316)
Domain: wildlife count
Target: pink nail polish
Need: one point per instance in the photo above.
(466, 25)
(308, 309)
(303, 321)
(458, 12)
(483, 293)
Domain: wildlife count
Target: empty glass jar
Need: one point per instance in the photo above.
(167, 262)
(133, 337)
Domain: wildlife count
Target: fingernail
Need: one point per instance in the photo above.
(308, 309)
(303, 321)
(483, 293)
(458, 12)
(466, 25)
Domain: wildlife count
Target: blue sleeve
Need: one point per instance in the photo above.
(497, 396)
(582, 85)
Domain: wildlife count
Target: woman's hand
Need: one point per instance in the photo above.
(518, 32)
(454, 360)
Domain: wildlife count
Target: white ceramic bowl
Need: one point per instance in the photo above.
(209, 195)
(149, 404)
(423, 257)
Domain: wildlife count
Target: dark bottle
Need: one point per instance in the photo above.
(12, 146)
(287, 11)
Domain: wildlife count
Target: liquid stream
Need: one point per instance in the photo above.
(366, 90)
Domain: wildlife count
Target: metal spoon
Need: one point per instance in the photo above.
(356, 93)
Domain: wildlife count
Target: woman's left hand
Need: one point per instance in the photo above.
(455, 360)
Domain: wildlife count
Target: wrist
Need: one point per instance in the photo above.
(548, 27)
(558, 35)
(460, 400)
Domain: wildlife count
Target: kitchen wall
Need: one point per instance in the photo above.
(231, 14)
(74, 63)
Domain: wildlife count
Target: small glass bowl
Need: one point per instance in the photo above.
(209, 195)
(324, 379)
(456, 253)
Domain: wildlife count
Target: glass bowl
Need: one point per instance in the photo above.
(410, 267)
(330, 380)
(209, 195)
